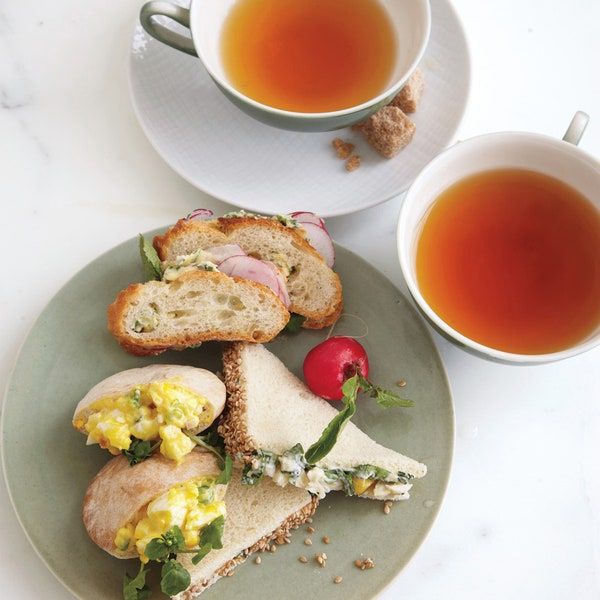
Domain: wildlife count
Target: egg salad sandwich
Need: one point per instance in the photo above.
(154, 408)
(297, 247)
(156, 510)
(256, 517)
(272, 418)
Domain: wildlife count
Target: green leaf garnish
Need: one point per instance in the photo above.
(135, 588)
(139, 450)
(213, 533)
(294, 325)
(225, 475)
(170, 542)
(174, 578)
(330, 434)
(150, 261)
(384, 398)
(207, 442)
(202, 552)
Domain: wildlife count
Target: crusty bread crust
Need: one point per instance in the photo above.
(222, 230)
(128, 298)
(119, 491)
(279, 536)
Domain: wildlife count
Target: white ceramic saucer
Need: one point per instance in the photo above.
(227, 154)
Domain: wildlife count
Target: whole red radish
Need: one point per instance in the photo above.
(330, 363)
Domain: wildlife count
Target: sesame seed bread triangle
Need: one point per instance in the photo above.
(315, 289)
(256, 516)
(198, 306)
(269, 408)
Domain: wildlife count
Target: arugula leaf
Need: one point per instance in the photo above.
(330, 434)
(135, 588)
(345, 477)
(139, 450)
(174, 578)
(202, 552)
(204, 442)
(252, 475)
(150, 261)
(169, 543)
(294, 325)
(227, 471)
(370, 472)
(385, 398)
(213, 533)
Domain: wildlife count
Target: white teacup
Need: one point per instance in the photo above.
(561, 159)
(411, 20)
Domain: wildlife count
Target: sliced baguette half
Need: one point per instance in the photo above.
(256, 516)
(315, 289)
(149, 318)
(269, 409)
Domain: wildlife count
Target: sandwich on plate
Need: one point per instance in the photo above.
(158, 407)
(297, 248)
(256, 516)
(272, 418)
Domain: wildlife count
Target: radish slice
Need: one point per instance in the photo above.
(253, 269)
(221, 253)
(307, 217)
(320, 240)
(200, 214)
(283, 291)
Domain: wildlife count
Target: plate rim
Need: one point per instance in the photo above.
(445, 480)
(326, 214)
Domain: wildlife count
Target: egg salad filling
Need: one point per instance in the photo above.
(190, 506)
(291, 467)
(157, 412)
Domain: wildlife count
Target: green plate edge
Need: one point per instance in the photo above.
(391, 540)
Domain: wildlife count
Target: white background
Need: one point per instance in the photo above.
(522, 514)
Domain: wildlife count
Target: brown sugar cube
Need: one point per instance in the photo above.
(353, 163)
(410, 95)
(342, 149)
(388, 131)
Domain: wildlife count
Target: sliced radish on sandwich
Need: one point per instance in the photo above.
(221, 253)
(283, 292)
(200, 214)
(247, 267)
(307, 217)
(320, 240)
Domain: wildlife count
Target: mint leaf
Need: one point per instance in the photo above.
(294, 325)
(135, 588)
(225, 475)
(150, 261)
(202, 552)
(330, 434)
(384, 398)
(174, 578)
(213, 533)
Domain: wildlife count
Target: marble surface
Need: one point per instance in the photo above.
(522, 514)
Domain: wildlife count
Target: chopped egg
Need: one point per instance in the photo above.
(183, 505)
(151, 412)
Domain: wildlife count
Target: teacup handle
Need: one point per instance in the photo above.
(574, 132)
(163, 34)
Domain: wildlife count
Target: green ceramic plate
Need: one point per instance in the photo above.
(47, 465)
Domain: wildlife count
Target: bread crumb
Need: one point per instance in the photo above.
(342, 149)
(353, 163)
(410, 95)
(337, 579)
(388, 131)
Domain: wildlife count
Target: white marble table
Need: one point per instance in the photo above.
(522, 515)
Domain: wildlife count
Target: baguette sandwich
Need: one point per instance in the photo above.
(134, 411)
(271, 418)
(125, 507)
(309, 286)
(256, 516)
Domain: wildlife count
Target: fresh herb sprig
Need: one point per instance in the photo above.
(139, 450)
(384, 398)
(135, 588)
(294, 325)
(150, 260)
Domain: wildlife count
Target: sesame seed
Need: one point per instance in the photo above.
(303, 559)
(326, 539)
(308, 542)
(337, 579)
(310, 529)
(358, 563)
(309, 520)
(257, 560)
(386, 509)
(273, 548)
(401, 382)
